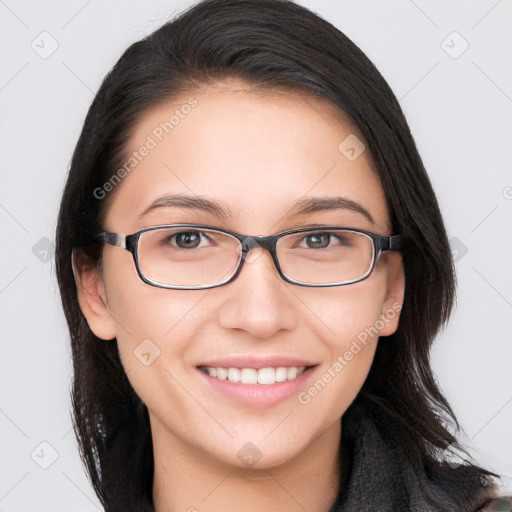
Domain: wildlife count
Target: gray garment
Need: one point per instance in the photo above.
(380, 478)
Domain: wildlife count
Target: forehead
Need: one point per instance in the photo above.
(255, 152)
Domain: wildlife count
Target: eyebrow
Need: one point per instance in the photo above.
(319, 204)
(194, 203)
(302, 207)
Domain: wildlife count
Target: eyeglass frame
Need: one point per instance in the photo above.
(130, 243)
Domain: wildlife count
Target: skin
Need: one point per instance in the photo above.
(257, 153)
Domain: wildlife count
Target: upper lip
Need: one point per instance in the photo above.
(257, 362)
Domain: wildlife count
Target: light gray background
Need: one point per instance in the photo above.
(459, 107)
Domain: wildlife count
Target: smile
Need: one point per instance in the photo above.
(266, 376)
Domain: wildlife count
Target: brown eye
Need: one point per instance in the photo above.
(187, 240)
(318, 240)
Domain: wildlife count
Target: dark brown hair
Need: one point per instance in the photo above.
(267, 44)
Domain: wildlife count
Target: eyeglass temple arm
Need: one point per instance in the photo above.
(392, 243)
(112, 239)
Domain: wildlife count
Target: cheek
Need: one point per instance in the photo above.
(160, 327)
(139, 309)
(154, 325)
(348, 322)
(346, 311)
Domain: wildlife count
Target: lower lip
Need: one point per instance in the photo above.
(259, 395)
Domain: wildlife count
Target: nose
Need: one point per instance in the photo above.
(258, 300)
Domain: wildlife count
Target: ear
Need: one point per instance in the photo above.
(92, 296)
(394, 299)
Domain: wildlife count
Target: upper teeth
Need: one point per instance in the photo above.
(253, 375)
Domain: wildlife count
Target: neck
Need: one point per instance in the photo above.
(187, 479)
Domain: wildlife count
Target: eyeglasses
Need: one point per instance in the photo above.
(195, 257)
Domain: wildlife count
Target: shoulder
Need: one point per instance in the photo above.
(500, 504)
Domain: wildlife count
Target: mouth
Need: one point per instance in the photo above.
(251, 376)
(256, 387)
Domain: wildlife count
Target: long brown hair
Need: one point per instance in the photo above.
(269, 44)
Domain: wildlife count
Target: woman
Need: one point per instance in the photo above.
(263, 341)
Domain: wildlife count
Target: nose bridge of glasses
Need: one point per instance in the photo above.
(253, 246)
(254, 242)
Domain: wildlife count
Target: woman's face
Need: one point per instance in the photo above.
(257, 157)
